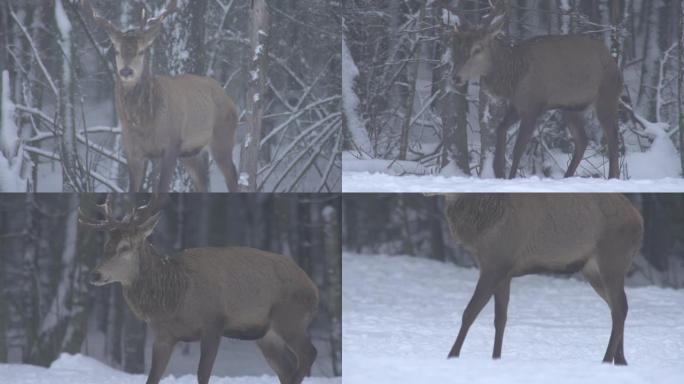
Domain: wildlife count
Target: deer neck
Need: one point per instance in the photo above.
(159, 289)
(137, 105)
(506, 71)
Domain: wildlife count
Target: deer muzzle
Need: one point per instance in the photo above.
(97, 278)
(126, 72)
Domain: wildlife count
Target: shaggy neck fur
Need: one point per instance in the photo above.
(508, 68)
(471, 214)
(159, 288)
(137, 106)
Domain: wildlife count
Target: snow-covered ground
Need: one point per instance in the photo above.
(76, 369)
(381, 182)
(401, 316)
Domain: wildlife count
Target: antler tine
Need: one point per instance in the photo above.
(101, 21)
(143, 212)
(106, 210)
(171, 7)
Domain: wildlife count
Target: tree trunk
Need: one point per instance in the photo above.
(680, 78)
(434, 211)
(259, 36)
(333, 253)
(452, 101)
(71, 176)
(411, 80)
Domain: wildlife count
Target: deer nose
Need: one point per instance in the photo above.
(95, 277)
(126, 72)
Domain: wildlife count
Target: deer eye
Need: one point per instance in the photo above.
(124, 248)
(477, 50)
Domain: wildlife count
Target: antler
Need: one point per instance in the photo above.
(136, 216)
(107, 25)
(139, 214)
(106, 210)
(497, 13)
(156, 22)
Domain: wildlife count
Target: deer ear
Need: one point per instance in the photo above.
(149, 224)
(150, 35)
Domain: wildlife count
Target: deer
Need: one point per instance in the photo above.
(204, 294)
(512, 235)
(570, 73)
(167, 118)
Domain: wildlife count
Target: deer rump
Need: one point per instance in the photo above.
(519, 234)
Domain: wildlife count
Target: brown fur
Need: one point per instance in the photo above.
(516, 234)
(160, 287)
(168, 117)
(204, 294)
(569, 72)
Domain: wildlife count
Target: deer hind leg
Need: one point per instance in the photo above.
(136, 172)
(197, 168)
(607, 114)
(575, 121)
(593, 276)
(292, 326)
(167, 166)
(222, 143)
(306, 355)
(501, 297)
(527, 124)
(279, 356)
(591, 273)
(612, 273)
(486, 286)
(618, 311)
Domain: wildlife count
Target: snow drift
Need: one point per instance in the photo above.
(365, 181)
(401, 316)
(76, 369)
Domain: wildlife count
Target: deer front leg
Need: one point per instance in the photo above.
(161, 353)
(167, 166)
(209, 347)
(486, 285)
(501, 297)
(510, 118)
(527, 124)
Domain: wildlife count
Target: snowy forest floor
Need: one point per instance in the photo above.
(381, 182)
(401, 316)
(78, 369)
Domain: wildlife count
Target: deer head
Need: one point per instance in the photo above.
(127, 240)
(131, 46)
(477, 45)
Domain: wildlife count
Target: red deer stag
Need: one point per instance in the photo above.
(206, 293)
(568, 72)
(167, 117)
(517, 234)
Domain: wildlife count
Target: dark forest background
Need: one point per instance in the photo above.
(404, 105)
(47, 307)
(414, 224)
